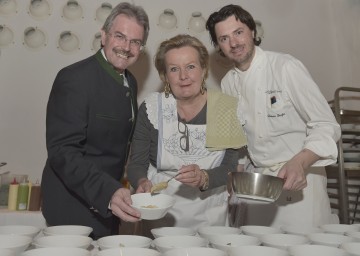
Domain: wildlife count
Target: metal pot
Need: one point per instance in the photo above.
(255, 186)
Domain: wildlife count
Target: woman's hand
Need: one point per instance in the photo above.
(191, 175)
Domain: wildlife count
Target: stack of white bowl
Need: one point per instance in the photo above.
(14, 239)
(69, 240)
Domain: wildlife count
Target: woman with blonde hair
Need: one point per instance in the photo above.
(185, 130)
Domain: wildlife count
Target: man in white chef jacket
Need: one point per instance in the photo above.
(291, 130)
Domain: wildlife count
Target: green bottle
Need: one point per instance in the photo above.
(22, 197)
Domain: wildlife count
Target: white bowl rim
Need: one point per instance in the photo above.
(159, 231)
(109, 241)
(213, 240)
(220, 252)
(67, 230)
(56, 249)
(158, 241)
(20, 230)
(44, 240)
(318, 246)
(255, 228)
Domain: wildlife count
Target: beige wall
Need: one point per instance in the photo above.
(323, 34)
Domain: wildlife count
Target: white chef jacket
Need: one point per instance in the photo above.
(282, 112)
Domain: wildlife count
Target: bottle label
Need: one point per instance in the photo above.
(22, 206)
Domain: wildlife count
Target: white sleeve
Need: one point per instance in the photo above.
(322, 130)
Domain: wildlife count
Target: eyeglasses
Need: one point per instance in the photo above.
(120, 38)
(184, 139)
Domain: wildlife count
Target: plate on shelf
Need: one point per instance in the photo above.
(352, 157)
(352, 165)
(347, 126)
(348, 136)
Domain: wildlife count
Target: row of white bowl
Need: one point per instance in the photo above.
(251, 235)
(33, 231)
(347, 249)
(18, 238)
(257, 231)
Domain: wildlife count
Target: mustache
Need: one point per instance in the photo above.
(123, 52)
(236, 46)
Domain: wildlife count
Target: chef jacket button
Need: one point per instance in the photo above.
(260, 136)
(259, 112)
(127, 94)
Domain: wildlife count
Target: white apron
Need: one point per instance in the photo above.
(309, 206)
(193, 208)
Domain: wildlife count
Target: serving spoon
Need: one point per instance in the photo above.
(161, 185)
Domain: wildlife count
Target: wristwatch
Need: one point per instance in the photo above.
(205, 186)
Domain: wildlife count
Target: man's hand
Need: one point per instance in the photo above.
(294, 171)
(120, 205)
(294, 175)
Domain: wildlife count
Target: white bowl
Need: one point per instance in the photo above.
(7, 252)
(255, 250)
(334, 240)
(351, 165)
(67, 230)
(166, 243)
(352, 156)
(172, 231)
(223, 242)
(128, 251)
(116, 241)
(353, 249)
(347, 126)
(152, 207)
(30, 231)
(354, 234)
(208, 231)
(57, 251)
(258, 231)
(347, 145)
(301, 230)
(340, 229)
(194, 251)
(283, 241)
(315, 250)
(76, 241)
(15, 243)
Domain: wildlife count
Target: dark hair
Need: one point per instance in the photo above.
(130, 10)
(177, 42)
(226, 12)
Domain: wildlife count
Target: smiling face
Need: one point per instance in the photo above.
(184, 72)
(121, 43)
(235, 40)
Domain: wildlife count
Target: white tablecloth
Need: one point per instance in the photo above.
(31, 218)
